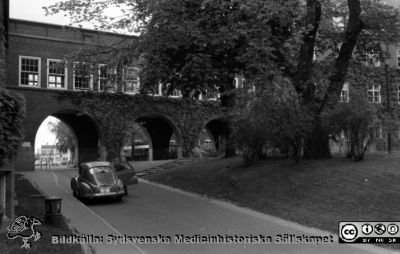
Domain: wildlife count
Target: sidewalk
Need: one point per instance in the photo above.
(80, 217)
(140, 166)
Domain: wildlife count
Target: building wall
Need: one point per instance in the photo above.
(50, 153)
(51, 42)
(7, 187)
(3, 40)
(358, 79)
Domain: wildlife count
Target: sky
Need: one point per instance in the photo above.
(32, 10)
(43, 135)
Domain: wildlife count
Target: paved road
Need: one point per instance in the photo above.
(162, 213)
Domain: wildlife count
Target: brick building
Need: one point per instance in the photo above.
(383, 92)
(37, 58)
(7, 171)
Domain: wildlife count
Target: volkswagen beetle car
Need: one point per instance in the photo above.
(97, 179)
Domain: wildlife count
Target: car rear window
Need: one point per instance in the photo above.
(103, 175)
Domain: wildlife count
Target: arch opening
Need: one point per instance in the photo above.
(217, 131)
(206, 143)
(137, 144)
(165, 141)
(67, 137)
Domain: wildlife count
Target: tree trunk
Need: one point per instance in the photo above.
(316, 144)
(317, 141)
(303, 77)
(338, 76)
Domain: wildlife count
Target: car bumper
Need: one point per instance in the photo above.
(106, 194)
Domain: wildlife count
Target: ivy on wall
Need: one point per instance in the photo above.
(360, 77)
(115, 113)
(2, 57)
(12, 113)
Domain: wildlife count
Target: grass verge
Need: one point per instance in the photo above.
(24, 190)
(313, 193)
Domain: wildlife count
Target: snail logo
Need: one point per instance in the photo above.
(25, 228)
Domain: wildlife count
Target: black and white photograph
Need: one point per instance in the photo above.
(200, 126)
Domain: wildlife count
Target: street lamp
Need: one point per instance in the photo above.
(53, 210)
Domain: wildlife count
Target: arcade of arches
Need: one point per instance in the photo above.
(100, 122)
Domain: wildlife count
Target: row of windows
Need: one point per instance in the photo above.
(30, 75)
(372, 58)
(373, 93)
(29, 69)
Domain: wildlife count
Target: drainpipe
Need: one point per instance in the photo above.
(389, 110)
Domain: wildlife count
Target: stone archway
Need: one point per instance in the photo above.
(218, 130)
(86, 130)
(110, 115)
(160, 130)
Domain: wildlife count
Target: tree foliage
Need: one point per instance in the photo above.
(357, 122)
(194, 44)
(273, 118)
(64, 136)
(197, 46)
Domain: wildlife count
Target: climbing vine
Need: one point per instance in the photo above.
(12, 113)
(115, 113)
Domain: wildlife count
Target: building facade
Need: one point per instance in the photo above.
(40, 56)
(7, 184)
(50, 154)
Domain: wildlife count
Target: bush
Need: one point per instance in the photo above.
(356, 122)
(12, 113)
(268, 117)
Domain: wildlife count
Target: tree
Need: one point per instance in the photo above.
(197, 45)
(274, 118)
(65, 138)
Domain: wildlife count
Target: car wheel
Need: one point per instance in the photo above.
(79, 197)
(78, 194)
(118, 198)
(125, 190)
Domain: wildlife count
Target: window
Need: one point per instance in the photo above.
(159, 91)
(398, 58)
(212, 94)
(344, 95)
(56, 74)
(398, 93)
(379, 131)
(314, 57)
(239, 82)
(82, 76)
(372, 59)
(176, 93)
(374, 93)
(131, 80)
(107, 78)
(29, 71)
